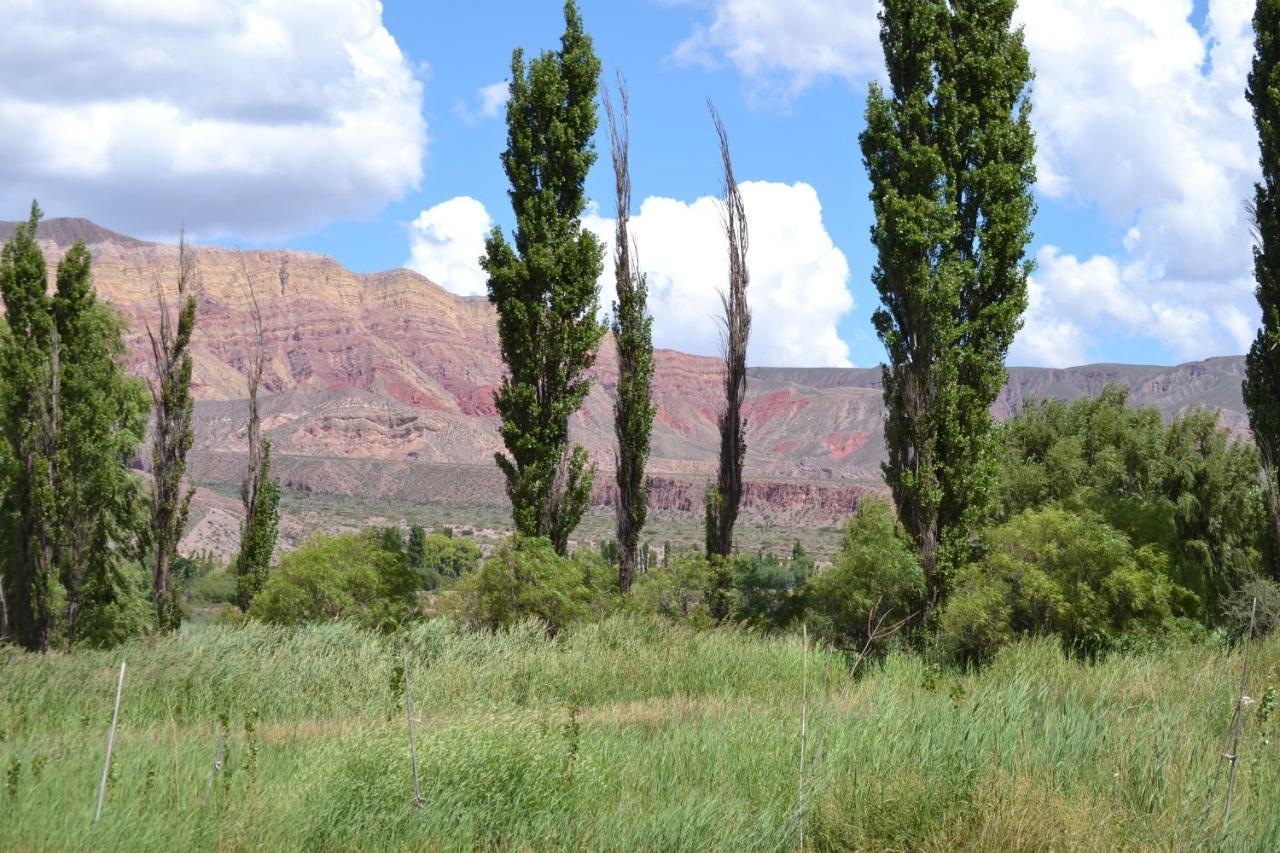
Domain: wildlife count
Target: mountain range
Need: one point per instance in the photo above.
(381, 385)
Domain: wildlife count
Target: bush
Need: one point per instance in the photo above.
(523, 578)
(216, 587)
(1057, 572)
(1239, 609)
(349, 576)
(117, 608)
(769, 590)
(444, 558)
(679, 592)
(1189, 489)
(875, 574)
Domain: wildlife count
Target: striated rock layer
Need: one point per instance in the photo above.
(393, 372)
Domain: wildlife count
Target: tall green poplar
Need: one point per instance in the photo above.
(28, 354)
(1262, 365)
(544, 284)
(948, 148)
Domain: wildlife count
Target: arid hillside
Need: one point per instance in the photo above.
(381, 386)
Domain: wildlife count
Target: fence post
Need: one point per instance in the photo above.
(413, 744)
(111, 740)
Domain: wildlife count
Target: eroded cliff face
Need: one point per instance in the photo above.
(393, 371)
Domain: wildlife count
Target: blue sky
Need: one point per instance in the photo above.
(1147, 151)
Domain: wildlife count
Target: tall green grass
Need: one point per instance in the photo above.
(629, 734)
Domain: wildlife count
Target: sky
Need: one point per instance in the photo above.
(372, 132)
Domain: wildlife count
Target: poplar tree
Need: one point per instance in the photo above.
(73, 420)
(172, 436)
(633, 410)
(1262, 365)
(949, 150)
(28, 362)
(101, 422)
(544, 284)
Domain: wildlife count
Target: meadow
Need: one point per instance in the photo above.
(629, 734)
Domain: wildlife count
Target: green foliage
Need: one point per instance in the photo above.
(416, 551)
(121, 607)
(524, 578)
(349, 576)
(172, 436)
(101, 423)
(217, 587)
(678, 591)
(1239, 610)
(1189, 490)
(875, 576)
(1262, 365)
(258, 539)
(949, 152)
(544, 284)
(393, 542)
(1055, 572)
(72, 420)
(633, 408)
(445, 559)
(686, 740)
(769, 590)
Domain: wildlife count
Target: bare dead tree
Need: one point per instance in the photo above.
(173, 433)
(633, 409)
(724, 498)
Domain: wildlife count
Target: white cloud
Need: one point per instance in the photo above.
(488, 103)
(799, 279)
(493, 98)
(1138, 114)
(788, 45)
(446, 242)
(1076, 307)
(255, 118)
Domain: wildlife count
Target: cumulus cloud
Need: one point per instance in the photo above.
(1076, 307)
(254, 118)
(1139, 115)
(446, 242)
(788, 45)
(799, 279)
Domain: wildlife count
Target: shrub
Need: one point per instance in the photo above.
(349, 576)
(769, 590)
(1052, 571)
(1188, 489)
(876, 573)
(216, 587)
(679, 591)
(1239, 608)
(116, 608)
(523, 578)
(444, 558)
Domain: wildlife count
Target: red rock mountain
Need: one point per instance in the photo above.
(381, 385)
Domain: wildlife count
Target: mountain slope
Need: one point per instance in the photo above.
(393, 372)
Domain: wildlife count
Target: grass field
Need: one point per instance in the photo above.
(627, 735)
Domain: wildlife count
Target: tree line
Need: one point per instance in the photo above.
(81, 530)
(1092, 520)
(949, 149)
